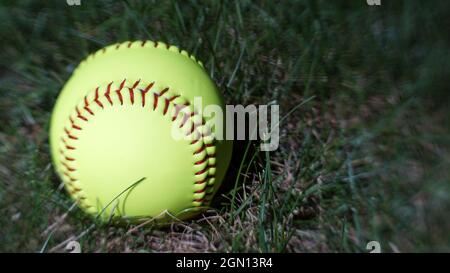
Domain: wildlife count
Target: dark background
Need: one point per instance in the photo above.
(364, 156)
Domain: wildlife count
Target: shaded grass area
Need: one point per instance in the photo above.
(364, 156)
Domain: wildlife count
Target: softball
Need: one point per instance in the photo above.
(111, 134)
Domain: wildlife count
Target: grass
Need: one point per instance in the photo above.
(364, 152)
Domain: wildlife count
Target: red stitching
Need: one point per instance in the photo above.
(149, 86)
(96, 98)
(108, 92)
(136, 84)
(70, 177)
(144, 92)
(201, 161)
(157, 95)
(156, 98)
(178, 108)
(119, 90)
(195, 126)
(79, 114)
(201, 181)
(76, 127)
(155, 101)
(66, 145)
(131, 91)
(173, 98)
(191, 131)
(185, 119)
(166, 106)
(162, 92)
(200, 172)
(199, 150)
(67, 167)
(75, 190)
(86, 106)
(69, 135)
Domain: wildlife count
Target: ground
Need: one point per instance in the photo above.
(364, 141)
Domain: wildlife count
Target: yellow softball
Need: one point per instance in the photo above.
(111, 133)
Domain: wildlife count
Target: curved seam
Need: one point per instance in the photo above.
(83, 112)
(141, 44)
